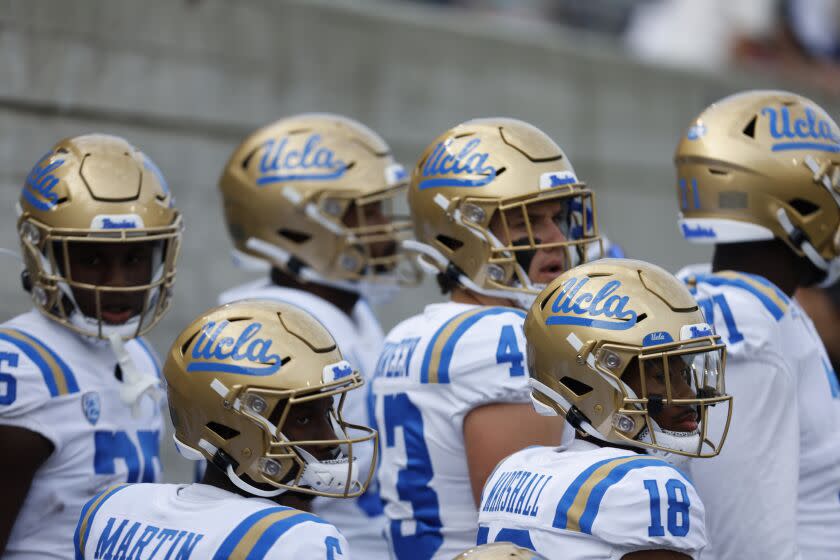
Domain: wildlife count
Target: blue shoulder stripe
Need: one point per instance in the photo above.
(89, 511)
(579, 505)
(229, 544)
(438, 356)
(276, 530)
(597, 495)
(153, 356)
(568, 498)
(773, 299)
(57, 375)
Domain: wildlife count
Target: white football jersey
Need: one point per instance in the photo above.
(360, 340)
(64, 387)
(435, 368)
(199, 522)
(783, 446)
(590, 503)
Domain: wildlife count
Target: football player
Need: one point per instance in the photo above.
(759, 178)
(497, 211)
(310, 198)
(100, 236)
(621, 351)
(256, 388)
(499, 551)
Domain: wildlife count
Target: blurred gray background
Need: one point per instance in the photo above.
(186, 80)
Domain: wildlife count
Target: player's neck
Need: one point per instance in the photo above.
(772, 260)
(607, 444)
(462, 295)
(342, 299)
(216, 478)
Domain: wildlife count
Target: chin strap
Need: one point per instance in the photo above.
(798, 238)
(245, 487)
(329, 476)
(426, 253)
(135, 385)
(689, 442)
(374, 292)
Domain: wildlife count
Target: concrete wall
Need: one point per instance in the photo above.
(186, 80)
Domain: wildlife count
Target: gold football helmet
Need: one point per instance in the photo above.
(88, 191)
(761, 165)
(313, 195)
(238, 378)
(493, 170)
(499, 551)
(605, 327)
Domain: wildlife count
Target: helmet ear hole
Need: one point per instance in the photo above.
(803, 207)
(296, 237)
(224, 432)
(449, 242)
(579, 388)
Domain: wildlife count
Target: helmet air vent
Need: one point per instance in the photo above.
(449, 242)
(224, 432)
(547, 298)
(296, 237)
(579, 388)
(187, 343)
(749, 130)
(803, 207)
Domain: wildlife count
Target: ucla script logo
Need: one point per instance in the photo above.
(212, 346)
(810, 133)
(313, 162)
(574, 306)
(40, 182)
(469, 161)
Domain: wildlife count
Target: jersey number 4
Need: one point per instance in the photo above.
(678, 508)
(507, 352)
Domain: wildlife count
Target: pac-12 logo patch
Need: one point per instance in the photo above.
(91, 406)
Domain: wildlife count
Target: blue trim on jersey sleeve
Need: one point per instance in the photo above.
(449, 346)
(568, 498)
(276, 530)
(47, 373)
(593, 504)
(77, 537)
(482, 535)
(151, 353)
(764, 281)
(776, 311)
(229, 544)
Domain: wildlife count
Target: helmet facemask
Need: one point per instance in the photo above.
(666, 394)
(318, 466)
(511, 240)
(79, 304)
(363, 233)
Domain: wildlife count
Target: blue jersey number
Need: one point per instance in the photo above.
(519, 537)
(333, 547)
(679, 520)
(111, 446)
(8, 383)
(708, 306)
(413, 480)
(507, 352)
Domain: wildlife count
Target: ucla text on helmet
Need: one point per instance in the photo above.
(313, 162)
